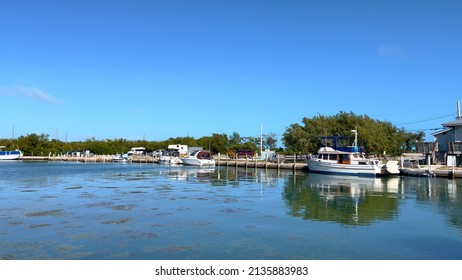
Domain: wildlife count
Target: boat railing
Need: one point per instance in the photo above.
(454, 148)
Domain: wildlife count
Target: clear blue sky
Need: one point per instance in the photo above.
(160, 69)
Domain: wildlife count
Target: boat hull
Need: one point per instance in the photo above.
(120, 160)
(344, 169)
(10, 155)
(198, 162)
(170, 160)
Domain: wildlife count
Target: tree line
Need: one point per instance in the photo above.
(374, 137)
(42, 145)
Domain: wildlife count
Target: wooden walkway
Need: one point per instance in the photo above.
(99, 158)
(261, 164)
(438, 171)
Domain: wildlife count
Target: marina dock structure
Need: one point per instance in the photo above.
(94, 158)
(288, 163)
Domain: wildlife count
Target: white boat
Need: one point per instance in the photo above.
(412, 167)
(329, 160)
(121, 158)
(137, 151)
(419, 172)
(9, 155)
(199, 158)
(170, 157)
(348, 160)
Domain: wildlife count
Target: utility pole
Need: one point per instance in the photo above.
(261, 139)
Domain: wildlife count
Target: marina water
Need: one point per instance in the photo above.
(54, 210)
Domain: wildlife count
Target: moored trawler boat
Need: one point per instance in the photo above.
(329, 160)
(348, 160)
(199, 158)
(9, 155)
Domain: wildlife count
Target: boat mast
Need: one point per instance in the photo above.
(261, 140)
(355, 144)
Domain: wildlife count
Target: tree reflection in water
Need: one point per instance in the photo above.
(347, 200)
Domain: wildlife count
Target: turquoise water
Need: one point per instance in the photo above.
(149, 211)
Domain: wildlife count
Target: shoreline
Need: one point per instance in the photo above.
(437, 170)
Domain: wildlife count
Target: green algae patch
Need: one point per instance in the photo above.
(54, 213)
(40, 225)
(117, 222)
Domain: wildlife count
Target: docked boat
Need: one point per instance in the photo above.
(170, 157)
(330, 160)
(347, 160)
(121, 158)
(199, 158)
(412, 167)
(9, 155)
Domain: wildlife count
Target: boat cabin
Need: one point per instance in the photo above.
(137, 151)
(327, 154)
(202, 154)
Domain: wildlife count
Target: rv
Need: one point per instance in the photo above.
(181, 149)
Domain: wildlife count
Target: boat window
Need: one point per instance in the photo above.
(325, 156)
(344, 157)
(333, 157)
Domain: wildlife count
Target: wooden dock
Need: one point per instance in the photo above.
(94, 159)
(261, 164)
(437, 171)
(434, 171)
(249, 163)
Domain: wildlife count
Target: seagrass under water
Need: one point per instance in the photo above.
(151, 211)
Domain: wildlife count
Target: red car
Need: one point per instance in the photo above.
(244, 154)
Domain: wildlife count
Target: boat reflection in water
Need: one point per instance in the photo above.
(198, 174)
(348, 200)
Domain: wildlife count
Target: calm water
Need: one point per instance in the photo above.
(148, 211)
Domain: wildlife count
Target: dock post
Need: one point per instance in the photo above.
(278, 161)
(295, 161)
(453, 169)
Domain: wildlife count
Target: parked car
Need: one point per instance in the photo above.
(244, 154)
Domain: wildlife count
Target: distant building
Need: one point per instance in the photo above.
(449, 139)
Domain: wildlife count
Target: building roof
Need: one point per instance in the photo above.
(442, 131)
(457, 122)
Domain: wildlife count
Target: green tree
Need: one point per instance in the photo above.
(235, 139)
(219, 143)
(376, 137)
(270, 141)
(34, 144)
(297, 139)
